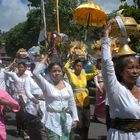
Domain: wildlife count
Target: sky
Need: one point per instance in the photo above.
(13, 12)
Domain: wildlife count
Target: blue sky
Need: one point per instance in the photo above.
(13, 12)
(24, 1)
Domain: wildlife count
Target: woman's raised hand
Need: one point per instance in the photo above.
(107, 29)
(13, 63)
(45, 59)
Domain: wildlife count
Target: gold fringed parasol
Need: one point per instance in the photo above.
(90, 14)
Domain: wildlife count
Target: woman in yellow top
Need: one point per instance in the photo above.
(78, 81)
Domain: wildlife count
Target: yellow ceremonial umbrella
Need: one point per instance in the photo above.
(90, 14)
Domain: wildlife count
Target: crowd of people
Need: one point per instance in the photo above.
(47, 107)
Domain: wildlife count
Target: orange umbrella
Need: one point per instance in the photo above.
(90, 14)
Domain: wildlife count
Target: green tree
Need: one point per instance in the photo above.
(66, 8)
(136, 2)
(35, 3)
(131, 11)
(2, 39)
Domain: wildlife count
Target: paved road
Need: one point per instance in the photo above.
(11, 127)
(97, 130)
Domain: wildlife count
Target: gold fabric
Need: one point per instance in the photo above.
(90, 14)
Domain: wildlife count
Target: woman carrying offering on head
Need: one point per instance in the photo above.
(122, 93)
(78, 80)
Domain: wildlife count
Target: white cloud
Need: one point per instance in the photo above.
(12, 12)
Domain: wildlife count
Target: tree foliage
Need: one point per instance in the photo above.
(131, 11)
(66, 8)
(67, 25)
(34, 3)
(2, 41)
(136, 3)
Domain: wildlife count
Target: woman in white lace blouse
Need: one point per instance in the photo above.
(18, 78)
(61, 112)
(122, 92)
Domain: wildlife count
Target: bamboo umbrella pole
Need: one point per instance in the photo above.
(57, 16)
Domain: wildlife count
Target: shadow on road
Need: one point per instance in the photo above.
(99, 138)
(11, 122)
(11, 132)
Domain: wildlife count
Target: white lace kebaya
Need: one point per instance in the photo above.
(121, 101)
(56, 100)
